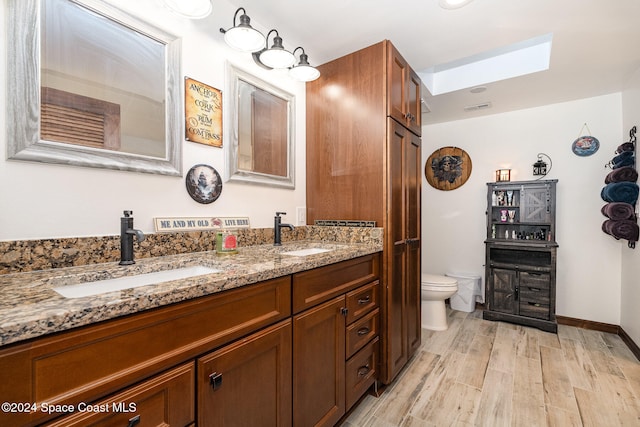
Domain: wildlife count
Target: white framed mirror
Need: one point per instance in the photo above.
(259, 125)
(91, 85)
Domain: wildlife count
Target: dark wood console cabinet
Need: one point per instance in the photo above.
(521, 253)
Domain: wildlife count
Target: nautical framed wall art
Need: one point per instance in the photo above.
(448, 168)
(203, 113)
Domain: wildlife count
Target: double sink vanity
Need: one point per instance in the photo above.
(273, 335)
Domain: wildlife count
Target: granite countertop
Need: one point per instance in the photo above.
(29, 307)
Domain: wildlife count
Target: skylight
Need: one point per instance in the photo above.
(526, 57)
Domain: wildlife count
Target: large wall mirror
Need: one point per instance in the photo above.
(91, 85)
(259, 128)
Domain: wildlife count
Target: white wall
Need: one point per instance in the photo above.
(48, 201)
(453, 222)
(630, 315)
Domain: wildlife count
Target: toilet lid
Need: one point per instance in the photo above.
(434, 279)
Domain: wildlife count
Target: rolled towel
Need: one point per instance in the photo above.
(626, 158)
(627, 146)
(626, 173)
(618, 211)
(626, 192)
(624, 229)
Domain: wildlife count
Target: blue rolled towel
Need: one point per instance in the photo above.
(626, 158)
(624, 229)
(626, 173)
(618, 211)
(626, 192)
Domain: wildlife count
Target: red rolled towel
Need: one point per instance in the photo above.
(624, 229)
(627, 173)
(618, 211)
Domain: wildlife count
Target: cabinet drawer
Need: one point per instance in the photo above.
(362, 300)
(165, 400)
(361, 372)
(323, 283)
(361, 332)
(534, 309)
(108, 356)
(535, 280)
(536, 295)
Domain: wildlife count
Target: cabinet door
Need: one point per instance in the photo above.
(248, 383)
(413, 180)
(535, 204)
(318, 364)
(414, 102)
(403, 92)
(503, 290)
(402, 317)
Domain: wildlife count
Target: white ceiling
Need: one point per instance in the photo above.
(595, 48)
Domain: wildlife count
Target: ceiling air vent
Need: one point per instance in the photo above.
(476, 107)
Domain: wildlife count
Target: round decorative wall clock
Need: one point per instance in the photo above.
(203, 184)
(448, 168)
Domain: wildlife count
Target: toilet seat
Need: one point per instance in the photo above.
(435, 282)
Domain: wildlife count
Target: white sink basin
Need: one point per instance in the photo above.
(305, 252)
(128, 282)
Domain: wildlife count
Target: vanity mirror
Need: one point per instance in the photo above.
(259, 124)
(91, 85)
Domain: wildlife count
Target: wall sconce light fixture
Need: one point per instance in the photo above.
(303, 71)
(503, 175)
(245, 38)
(540, 166)
(276, 56)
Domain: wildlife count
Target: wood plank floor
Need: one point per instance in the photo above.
(484, 373)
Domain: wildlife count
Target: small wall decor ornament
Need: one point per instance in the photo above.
(585, 145)
(448, 168)
(204, 184)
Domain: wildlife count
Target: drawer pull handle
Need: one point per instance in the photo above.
(535, 304)
(134, 421)
(364, 300)
(535, 289)
(363, 370)
(215, 380)
(363, 331)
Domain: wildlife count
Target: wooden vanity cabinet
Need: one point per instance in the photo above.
(364, 163)
(335, 341)
(90, 363)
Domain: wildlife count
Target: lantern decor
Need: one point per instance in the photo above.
(540, 166)
(503, 175)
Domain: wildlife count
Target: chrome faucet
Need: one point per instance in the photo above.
(126, 238)
(277, 225)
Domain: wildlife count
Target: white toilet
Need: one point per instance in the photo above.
(435, 289)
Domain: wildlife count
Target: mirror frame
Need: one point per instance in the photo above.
(24, 98)
(232, 171)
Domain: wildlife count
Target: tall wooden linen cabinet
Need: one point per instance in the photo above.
(363, 163)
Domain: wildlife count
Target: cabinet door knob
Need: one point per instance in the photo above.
(215, 380)
(364, 300)
(363, 331)
(134, 421)
(344, 311)
(363, 370)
